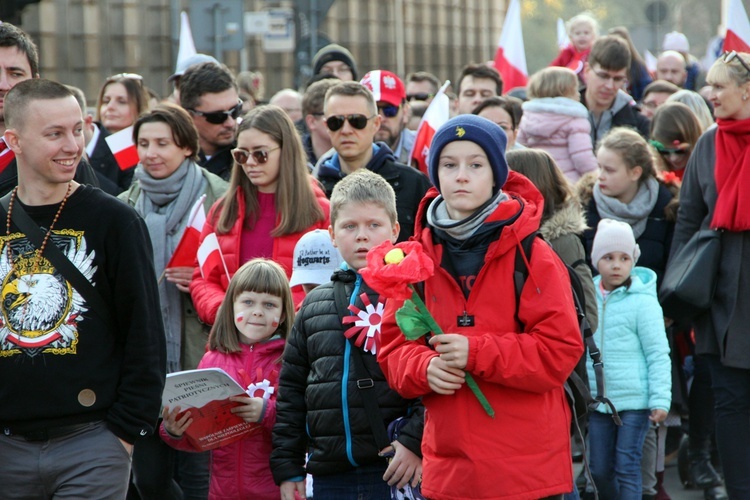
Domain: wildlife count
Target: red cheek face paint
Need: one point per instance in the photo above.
(239, 317)
(275, 323)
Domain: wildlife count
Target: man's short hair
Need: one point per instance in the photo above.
(611, 53)
(18, 98)
(481, 71)
(352, 89)
(315, 96)
(424, 76)
(12, 36)
(660, 86)
(204, 78)
(80, 97)
(363, 186)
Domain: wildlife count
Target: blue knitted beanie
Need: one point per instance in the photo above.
(488, 135)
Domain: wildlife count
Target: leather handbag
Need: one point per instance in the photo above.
(689, 283)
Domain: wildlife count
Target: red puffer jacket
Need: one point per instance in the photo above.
(242, 469)
(524, 451)
(208, 292)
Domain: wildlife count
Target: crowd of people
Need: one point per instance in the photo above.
(596, 168)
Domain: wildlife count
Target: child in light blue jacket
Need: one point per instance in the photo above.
(637, 367)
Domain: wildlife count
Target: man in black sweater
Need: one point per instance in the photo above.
(82, 348)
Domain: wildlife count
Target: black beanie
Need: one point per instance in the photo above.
(334, 52)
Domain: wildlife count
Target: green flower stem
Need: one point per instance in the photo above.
(439, 331)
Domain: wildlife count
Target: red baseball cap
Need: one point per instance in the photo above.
(385, 86)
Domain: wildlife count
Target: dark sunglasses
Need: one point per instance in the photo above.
(419, 96)
(730, 56)
(219, 117)
(357, 121)
(389, 111)
(260, 156)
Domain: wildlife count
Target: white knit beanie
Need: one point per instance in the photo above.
(614, 236)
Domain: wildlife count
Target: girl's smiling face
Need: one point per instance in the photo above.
(257, 316)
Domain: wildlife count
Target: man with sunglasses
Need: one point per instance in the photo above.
(390, 97)
(209, 92)
(353, 120)
(605, 74)
(421, 86)
(19, 61)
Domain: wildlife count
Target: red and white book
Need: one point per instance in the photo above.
(205, 393)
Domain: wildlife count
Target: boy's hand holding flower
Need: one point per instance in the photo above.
(391, 271)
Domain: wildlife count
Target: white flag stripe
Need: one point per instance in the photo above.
(120, 140)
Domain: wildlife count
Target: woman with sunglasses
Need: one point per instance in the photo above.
(121, 99)
(167, 183)
(271, 203)
(714, 195)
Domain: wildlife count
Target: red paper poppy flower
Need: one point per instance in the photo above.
(406, 264)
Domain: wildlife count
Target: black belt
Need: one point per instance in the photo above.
(47, 433)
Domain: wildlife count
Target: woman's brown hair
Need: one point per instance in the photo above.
(543, 172)
(260, 276)
(296, 205)
(184, 133)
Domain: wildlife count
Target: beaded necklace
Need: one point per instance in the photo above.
(39, 251)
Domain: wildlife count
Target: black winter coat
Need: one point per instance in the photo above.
(409, 184)
(313, 414)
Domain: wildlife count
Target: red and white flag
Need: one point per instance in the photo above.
(6, 154)
(437, 113)
(650, 60)
(738, 28)
(562, 34)
(209, 256)
(187, 45)
(510, 58)
(122, 146)
(187, 248)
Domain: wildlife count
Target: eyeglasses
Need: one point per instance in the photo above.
(219, 117)
(617, 80)
(728, 57)
(357, 121)
(128, 76)
(260, 156)
(419, 96)
(389, 111)
(665, 151)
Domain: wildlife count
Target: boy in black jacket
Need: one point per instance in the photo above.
(320, 408)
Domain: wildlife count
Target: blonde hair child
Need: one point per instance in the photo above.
(247, 342)
(554, 120)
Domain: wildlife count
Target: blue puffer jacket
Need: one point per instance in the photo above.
(635, 352)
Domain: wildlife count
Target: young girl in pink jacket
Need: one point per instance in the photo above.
(246, 341)
(554, 120)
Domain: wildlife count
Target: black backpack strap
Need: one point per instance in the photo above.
(364, 379)
(520, 271)
(54, 255)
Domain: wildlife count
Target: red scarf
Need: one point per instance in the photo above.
(732, 175)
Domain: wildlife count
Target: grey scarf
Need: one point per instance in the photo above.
(165, 206)
(437, 216)
(634, 213)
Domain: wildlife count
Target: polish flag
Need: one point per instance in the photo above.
(6, 154)
(187, 248)
(562, 34)
(122, 146)
(650, 60)
(187, 45)
(738, 28)
(437, 113)
(209, 256)
(510, 58)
